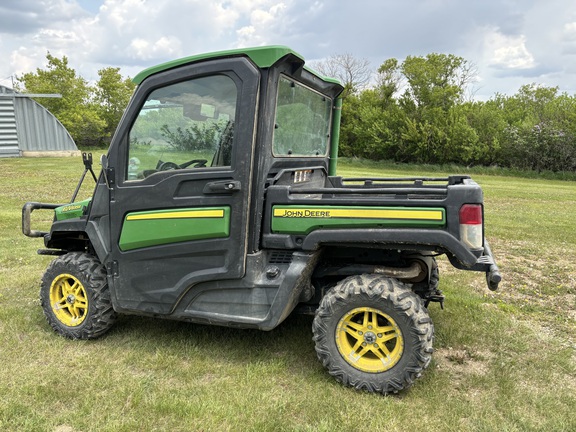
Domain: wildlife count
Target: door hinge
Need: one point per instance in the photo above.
(112, 269)
(111, 175)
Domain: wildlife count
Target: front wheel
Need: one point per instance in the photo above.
(75, 297)
(373, 333)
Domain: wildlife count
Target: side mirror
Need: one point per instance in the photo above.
(104, 161)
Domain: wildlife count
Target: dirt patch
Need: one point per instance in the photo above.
(528, 269)
(532, 281)
(462, 361)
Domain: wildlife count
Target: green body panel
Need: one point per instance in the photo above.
(304, 219)
(263, 57)
(159, 227)
(72, 210)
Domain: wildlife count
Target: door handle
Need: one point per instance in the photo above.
(222, 187)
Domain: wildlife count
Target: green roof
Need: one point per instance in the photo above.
(263, 57)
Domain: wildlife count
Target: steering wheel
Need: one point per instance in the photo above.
(196, 163)
(166, 166)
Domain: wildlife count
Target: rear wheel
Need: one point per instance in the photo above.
(75, 297)
(373, 333)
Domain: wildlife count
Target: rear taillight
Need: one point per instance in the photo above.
(471, 225)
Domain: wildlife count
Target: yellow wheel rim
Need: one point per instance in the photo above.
(369, 340)
(68, 300)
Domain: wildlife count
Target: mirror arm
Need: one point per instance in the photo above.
(104, 163)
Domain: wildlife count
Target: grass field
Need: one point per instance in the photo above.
(504, 361)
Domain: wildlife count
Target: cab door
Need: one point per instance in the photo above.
(180, 196)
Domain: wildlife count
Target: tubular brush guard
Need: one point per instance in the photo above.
(27, 210)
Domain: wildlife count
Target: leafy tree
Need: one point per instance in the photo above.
(59, 78)
(540, 131)
(437, 80)
(418, 112)
(389, 80)
(112, 94)
(348, 123)
(488, 121)
(436, 129)
(371, 126)
(90, 114)
(74, 109)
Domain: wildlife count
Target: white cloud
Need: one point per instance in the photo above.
(265, 25)
(145, 32)
(24, 60)
(570, 30)
(145, 49)
(569, 38)
(512, 43)
(245, 7)
(508, 52)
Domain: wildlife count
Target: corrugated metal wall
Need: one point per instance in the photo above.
(26, 126)
(38, 129)
(8, 130)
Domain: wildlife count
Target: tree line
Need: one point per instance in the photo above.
(417, 110)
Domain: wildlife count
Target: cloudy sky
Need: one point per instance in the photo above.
(512, 42)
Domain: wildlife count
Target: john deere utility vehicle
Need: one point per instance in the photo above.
(218, 203)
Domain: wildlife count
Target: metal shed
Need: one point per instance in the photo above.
(29, 129)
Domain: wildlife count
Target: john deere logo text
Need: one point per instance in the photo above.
(302, 213)
(71, 208)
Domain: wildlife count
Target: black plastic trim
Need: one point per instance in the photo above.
(431, 239)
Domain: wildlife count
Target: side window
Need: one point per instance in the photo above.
(302, 124)
(186, 125)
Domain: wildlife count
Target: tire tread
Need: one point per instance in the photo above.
(101, 315)
(374, 288)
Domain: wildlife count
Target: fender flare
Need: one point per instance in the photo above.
(440, 241)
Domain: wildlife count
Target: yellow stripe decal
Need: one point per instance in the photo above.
(329, 213)
(177, 215)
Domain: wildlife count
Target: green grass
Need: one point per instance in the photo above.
(503, 361)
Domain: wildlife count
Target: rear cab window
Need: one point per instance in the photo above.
(302, 123)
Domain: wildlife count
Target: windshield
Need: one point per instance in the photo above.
(302, 124)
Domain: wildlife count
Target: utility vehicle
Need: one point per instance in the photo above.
(218, 203)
